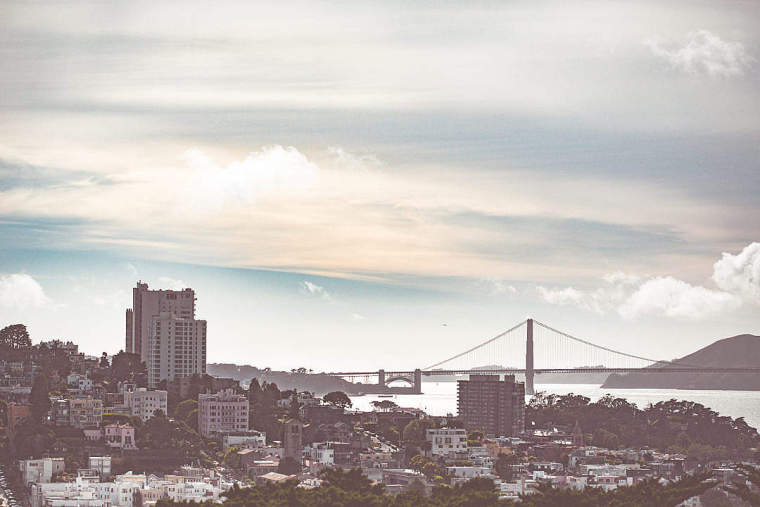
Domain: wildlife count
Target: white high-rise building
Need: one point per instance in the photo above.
(176, 348)
(162, 329)
(148, 303)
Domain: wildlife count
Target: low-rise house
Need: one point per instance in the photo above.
(85, 412)
(121, 436)
(446, 442)
(251, 439)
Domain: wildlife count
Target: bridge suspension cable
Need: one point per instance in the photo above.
(476, 347)
(607, 349)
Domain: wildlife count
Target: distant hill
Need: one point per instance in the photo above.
(736, 352)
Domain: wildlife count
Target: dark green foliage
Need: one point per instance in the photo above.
(681, 426)
(14, 338)
(39, 398)
(337, 399)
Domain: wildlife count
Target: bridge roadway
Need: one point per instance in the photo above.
(537, 371)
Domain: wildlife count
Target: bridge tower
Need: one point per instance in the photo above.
(529, 359)
(417, 386)
(381, 378)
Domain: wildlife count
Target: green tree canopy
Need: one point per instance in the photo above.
(337, 399)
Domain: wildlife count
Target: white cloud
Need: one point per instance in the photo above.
(315, 290)
(278, 170)
(598, 301)
(738, 277)
(740, 273)
(20, 291)
(675, 298)
(171, 283)
(703, 53)
(357, 316)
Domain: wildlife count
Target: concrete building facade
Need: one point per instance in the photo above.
(491, 405)
(176, 347)
(143, 403)
(223, 412)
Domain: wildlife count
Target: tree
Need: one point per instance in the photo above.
(15, 343)
(338, 399)
(184, 408)
(39, 397)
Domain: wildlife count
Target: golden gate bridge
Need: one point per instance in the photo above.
(543, 350)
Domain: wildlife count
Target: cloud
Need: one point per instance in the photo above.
(132, 269)
(273, 170)
(738, 277)
(703, 53)
(740, 273)
(675, 298)
(357, 316)
(20, 291)
(172, 283)
(315, 290)
(597, 301)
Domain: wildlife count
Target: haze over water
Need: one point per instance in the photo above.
(440, 398)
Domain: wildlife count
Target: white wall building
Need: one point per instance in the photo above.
(40, 470)
(251, 440)
(447, 441)
(176, 347)
(124, 491)
(322, 453)
(143, 403)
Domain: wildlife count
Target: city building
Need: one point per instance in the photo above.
(125, 490)
(177, 347)
(222, 412)
(16, 414)
(121, 436)
(143, 403)
(491, 405)
(251, 439)
(40, 470)
(147, 303)
(101, 465)
(85, 412)
(60, 412)
(447, 441)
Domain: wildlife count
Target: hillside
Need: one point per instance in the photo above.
(735, 352)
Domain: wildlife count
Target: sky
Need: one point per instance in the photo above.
(338, 180)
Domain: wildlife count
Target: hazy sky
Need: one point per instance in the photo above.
(339, 179)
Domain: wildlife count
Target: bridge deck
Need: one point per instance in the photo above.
(538, 371)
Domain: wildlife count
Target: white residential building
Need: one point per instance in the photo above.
(176, 347)
(250, 440)
(322, 453)
(125, 491)
(40, 470)
(101, 465)
(143, 403)
(447, 441)
(223, 412)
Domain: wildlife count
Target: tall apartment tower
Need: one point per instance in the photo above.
(130, 314)
(495, 407)
(161, 328)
